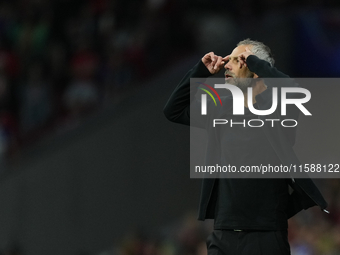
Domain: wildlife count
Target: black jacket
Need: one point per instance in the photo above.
(305, 193)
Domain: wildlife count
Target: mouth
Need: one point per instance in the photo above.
(227, 76)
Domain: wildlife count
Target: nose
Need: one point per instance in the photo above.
(227, 66)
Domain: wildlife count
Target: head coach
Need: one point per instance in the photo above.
(250, 215)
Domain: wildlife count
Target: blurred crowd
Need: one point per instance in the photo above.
(314, 232)
(311, 232)
(60, 61)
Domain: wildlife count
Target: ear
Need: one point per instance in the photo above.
(255, 76)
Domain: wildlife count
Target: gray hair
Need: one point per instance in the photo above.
(259, 49)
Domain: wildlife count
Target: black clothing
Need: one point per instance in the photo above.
(224, 242)
(237, 208)
(240, 144)
(281, 141)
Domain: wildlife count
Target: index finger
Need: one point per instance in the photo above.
(213, 57)
(226, 58)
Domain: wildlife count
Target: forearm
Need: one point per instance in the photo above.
(178, 105)
(263, 69)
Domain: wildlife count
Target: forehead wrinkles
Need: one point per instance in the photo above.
(233, 57)
(240, 49)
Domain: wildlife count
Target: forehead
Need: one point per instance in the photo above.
(238, 50)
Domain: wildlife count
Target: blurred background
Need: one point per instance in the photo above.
(88, 162)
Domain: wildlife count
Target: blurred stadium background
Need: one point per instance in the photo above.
(88, 162)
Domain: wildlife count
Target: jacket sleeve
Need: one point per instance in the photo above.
(263, 69)
(299, 200)
(274, 78)
(177, 109)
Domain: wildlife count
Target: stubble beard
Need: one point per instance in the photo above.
(241, 83)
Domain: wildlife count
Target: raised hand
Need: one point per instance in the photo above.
(242, 58)
(213, 62)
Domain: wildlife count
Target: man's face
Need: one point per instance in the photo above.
(236, 75)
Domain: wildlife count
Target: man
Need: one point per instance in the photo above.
(250, 215)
